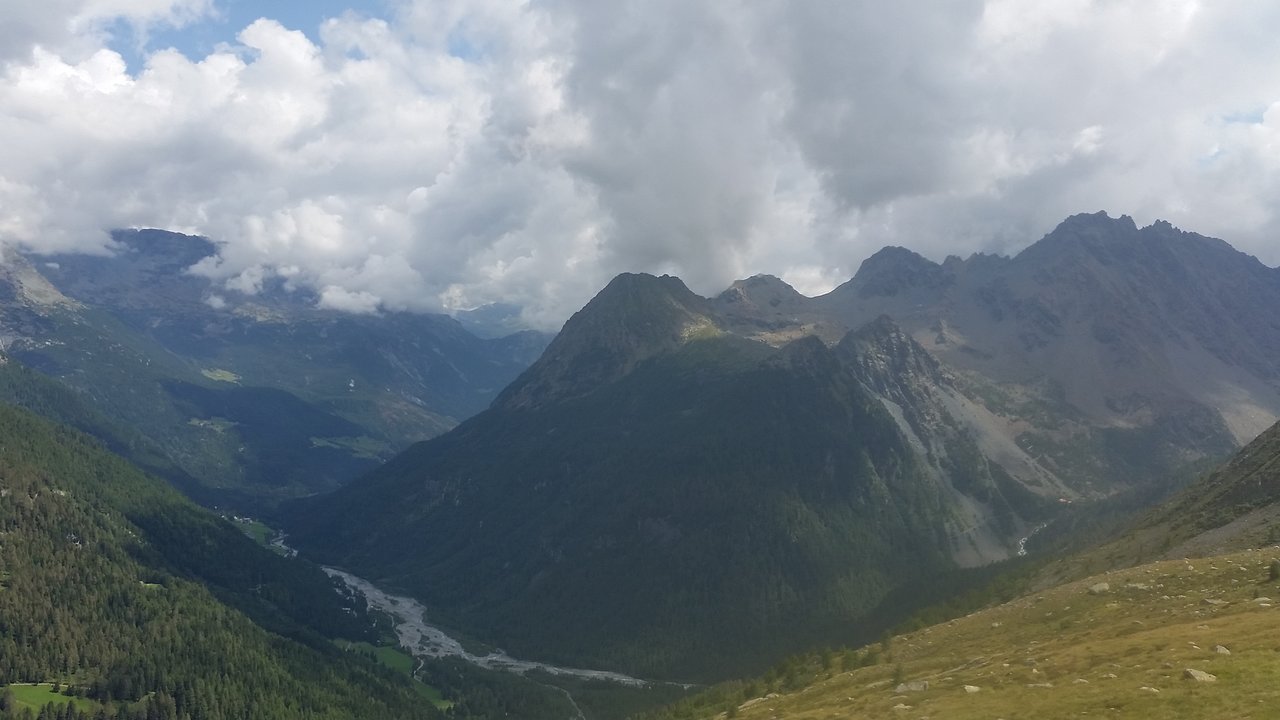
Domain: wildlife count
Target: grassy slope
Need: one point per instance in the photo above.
(1235, 507)
(1067, 652)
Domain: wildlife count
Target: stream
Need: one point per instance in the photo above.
(1022, 544)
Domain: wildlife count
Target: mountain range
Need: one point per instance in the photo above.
(685, 485)
(675, 486)
(248, 397)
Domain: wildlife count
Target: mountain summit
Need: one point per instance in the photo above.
(635, 317)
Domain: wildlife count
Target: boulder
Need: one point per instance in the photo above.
(1198, 675)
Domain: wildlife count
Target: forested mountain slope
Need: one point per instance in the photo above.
(660, 496)
(113, 584)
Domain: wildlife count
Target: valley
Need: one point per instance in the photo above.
(425, 641)
(679, 490)
(243, 398)
(684, 487)
(568, 360)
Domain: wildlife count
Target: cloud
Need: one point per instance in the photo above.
(458, 152)
(333, 297)
(78, 27)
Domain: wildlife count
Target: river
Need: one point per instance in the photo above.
(427, 641)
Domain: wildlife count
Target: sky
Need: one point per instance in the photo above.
(431, 155)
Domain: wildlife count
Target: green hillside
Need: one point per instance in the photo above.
(110, 583)
(1234, 507)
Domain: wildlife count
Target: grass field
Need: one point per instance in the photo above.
(260, 533)
(1079, 650)
(399, 661)
(39, 695)
(361, 447)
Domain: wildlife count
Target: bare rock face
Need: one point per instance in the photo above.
(1154, 330)
(937, 418)
(912, 686)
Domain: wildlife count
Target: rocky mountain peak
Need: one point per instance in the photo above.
(893, 272)
(643, 307)
(1096, 236)
(635, 317)
(895, 269)
(1099, 220)
(760, 291)
(765, 308)
(165, 249)
(887, 355)
(22, 283)
(808, 355)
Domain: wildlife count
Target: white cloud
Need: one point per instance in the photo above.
(76, 28)
(469, 151)
(333, 297)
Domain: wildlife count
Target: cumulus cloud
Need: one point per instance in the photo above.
(460, 152)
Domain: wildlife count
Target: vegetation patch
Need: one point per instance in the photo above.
(363, 447)
(259, 531)
(216, 424)
(400, 661)
(34, 696)
(220, 375)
